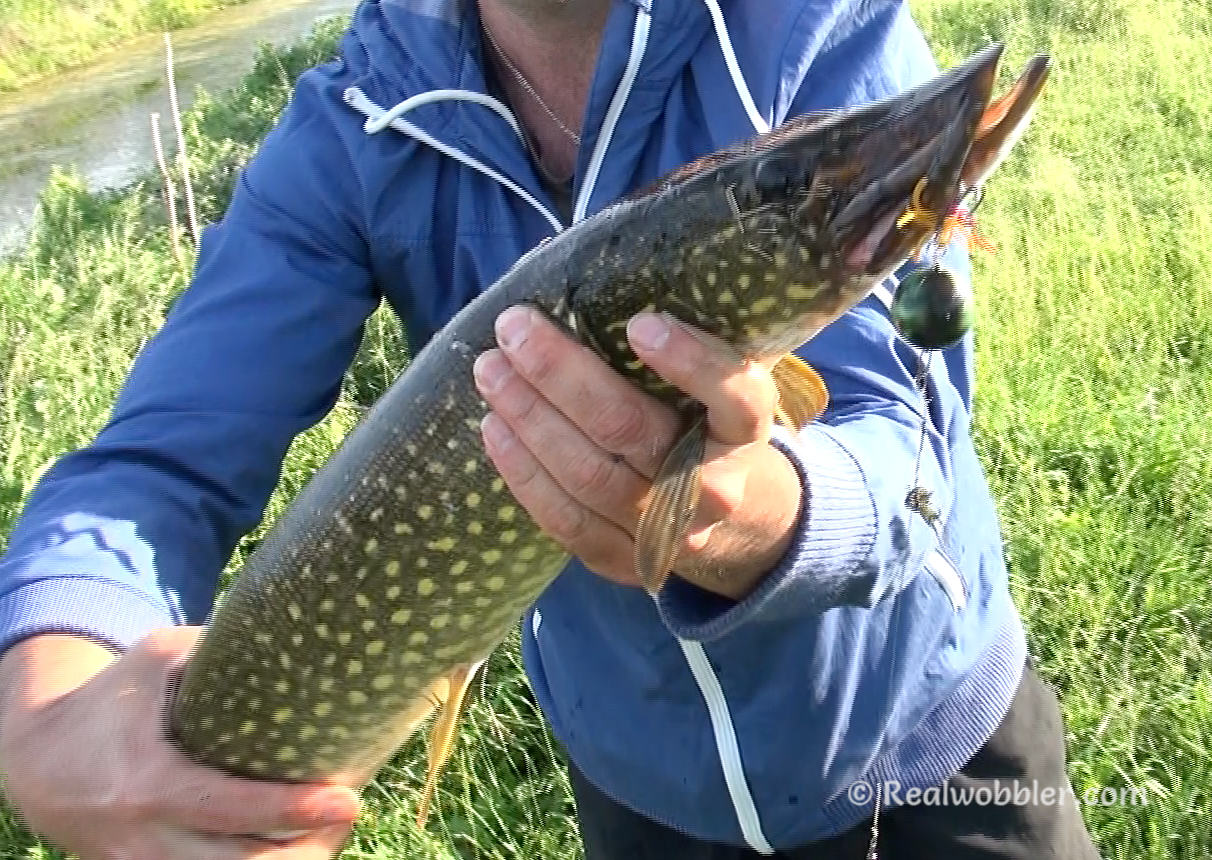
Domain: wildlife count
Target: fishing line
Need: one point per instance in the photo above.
(923, 374)
(959, 224)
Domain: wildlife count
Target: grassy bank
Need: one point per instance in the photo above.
(1095, 364)
(39, 38)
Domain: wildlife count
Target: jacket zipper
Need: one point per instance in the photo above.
(726, 745)
(948, 576)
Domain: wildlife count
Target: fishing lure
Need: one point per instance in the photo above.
(930, 309)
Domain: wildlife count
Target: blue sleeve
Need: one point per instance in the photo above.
(856, 541)
(132, 531)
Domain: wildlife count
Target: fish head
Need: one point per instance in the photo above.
(764, 243)
(864, 189)
(898, 169)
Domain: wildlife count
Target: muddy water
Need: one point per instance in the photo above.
(96, 119)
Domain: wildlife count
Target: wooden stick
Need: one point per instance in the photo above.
(182, 157)
(170, 193)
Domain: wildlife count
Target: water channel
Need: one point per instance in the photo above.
(97, 119)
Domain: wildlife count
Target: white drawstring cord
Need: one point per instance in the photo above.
(379, 119)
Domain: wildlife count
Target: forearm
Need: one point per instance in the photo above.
(130, 533)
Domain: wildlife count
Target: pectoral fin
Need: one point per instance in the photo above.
(450, 691)
(674, 497)
(671, 506)
(802, 393)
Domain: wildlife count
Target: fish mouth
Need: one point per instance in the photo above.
(929, 149)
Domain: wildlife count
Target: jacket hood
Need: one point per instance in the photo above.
(402, 48)
(421, 57)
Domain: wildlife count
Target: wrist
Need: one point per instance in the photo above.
(45, 667)
(745, 548)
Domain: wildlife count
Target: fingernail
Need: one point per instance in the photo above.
(491, 370)
(336, 813)
(512, 327)
(496, 431)
(648, 331)
(340, 811)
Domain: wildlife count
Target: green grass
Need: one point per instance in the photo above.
(41, 37)
(1095, 380)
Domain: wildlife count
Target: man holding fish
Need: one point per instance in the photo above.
(823, 655)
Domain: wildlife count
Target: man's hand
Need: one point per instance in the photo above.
(87, 765)
(579, 445)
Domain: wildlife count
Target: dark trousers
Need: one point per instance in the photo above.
(1028, 745)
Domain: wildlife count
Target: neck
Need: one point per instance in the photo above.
(558, 16)
(554, 45)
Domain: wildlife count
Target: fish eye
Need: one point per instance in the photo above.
(771, 177)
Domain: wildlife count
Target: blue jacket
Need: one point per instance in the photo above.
(875, 650)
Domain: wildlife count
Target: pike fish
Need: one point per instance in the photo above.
(404, 562)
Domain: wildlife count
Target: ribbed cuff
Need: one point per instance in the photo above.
(836, 530)
(98, 608)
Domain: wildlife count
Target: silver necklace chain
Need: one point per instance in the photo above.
(525, 84)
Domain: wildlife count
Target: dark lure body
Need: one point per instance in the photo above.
(406, 560)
